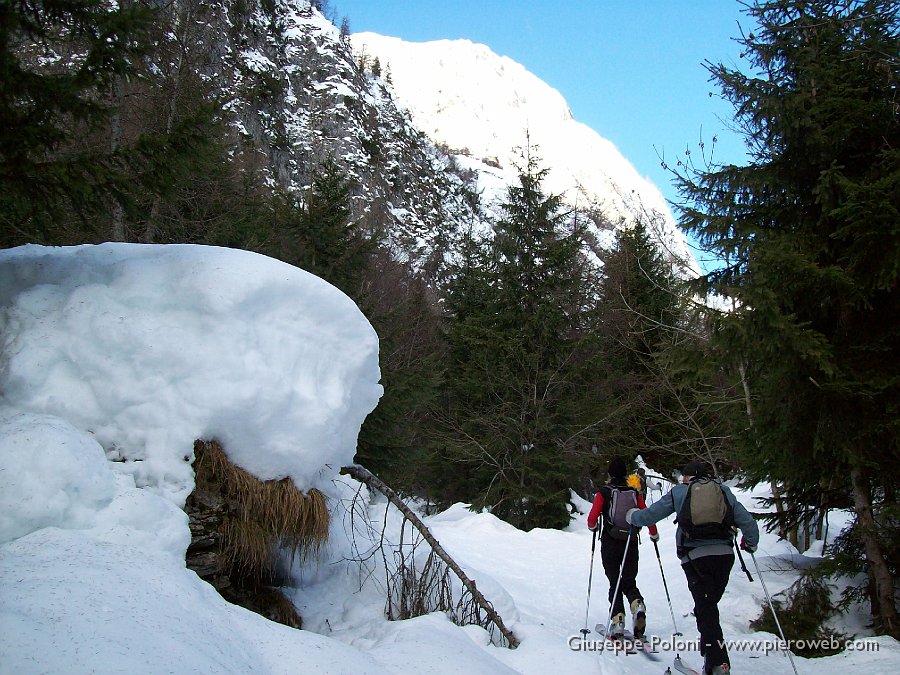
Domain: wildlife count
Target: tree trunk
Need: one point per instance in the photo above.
(883, 609)
(178, 21)
(789, 533)
(820, 523)
(779, 508)
(776, 492)
(115, 140)
(363, 475)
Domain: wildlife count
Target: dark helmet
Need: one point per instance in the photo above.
(697, 468)
(616, 467)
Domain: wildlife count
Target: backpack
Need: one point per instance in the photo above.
(621, 499)
(706, 513)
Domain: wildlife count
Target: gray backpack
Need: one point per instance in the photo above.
(705, 512)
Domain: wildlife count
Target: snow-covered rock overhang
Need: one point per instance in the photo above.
(149, 347)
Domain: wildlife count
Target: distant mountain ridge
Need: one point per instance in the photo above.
(485, 108)
(437, 124)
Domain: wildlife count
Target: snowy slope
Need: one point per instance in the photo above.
(92, 568)
(538, 581)
(488, 109)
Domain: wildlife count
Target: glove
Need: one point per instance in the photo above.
(750, 548)
(628, 515)
(654, 537)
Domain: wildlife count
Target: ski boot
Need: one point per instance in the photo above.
(617, 626)
(639, 613)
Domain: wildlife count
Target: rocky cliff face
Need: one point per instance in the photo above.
(295, 95)
(488, 110)
(425, 159)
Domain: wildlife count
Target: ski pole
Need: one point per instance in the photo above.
(772, 607)
(741, 558)
(585, 630)
(653, 475)
(616, 593)
(666, 586)
(669, 598)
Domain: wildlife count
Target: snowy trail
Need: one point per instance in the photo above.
(546, 573)
(92, 551)
(538, 580)
(520, 561)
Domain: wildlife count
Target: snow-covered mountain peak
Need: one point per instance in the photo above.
(464, 96)
(457, 82)
(488, 109)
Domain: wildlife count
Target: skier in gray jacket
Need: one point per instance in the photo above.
(706, 563)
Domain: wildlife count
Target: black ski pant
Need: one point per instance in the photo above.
(707, 578)
(612, 551)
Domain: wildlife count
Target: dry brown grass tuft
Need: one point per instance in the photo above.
(263, 516)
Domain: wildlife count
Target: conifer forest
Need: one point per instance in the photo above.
(518, 354)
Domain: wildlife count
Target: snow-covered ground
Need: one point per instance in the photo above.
(123, 351)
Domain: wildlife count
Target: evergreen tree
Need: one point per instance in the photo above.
(394, 437)
(639, 297)
(650, 406)
(518, 358)
(195, 186)
(810, 230)
(58, 63)
(99, 139)
(322, 237)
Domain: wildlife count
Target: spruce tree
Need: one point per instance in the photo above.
(393, 439)
(642, 324)
(103, 139)
(519, 353)
(58, 63)
(810, 231)
(325, 239)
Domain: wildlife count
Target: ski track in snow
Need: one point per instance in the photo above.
(546, 573)
(92, 551)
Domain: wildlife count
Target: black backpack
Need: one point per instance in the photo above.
(621, 499)
(706, 512)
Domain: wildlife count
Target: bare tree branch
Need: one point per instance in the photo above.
(363, 475)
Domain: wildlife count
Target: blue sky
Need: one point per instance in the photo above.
(632, 70)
